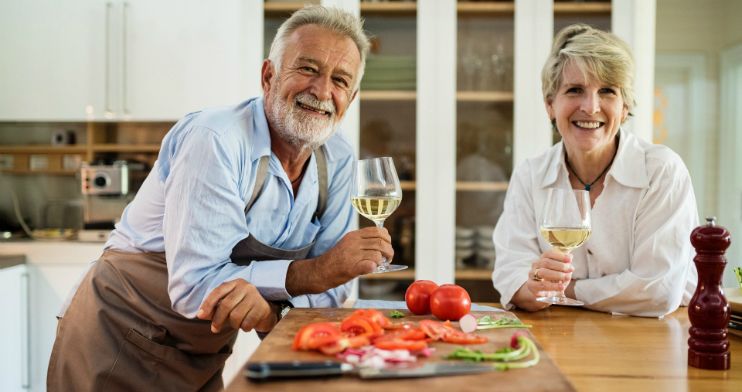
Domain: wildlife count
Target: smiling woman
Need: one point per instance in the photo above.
(638, 258)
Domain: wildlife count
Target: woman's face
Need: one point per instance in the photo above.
(588, 113)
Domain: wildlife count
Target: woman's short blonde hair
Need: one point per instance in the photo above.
(599, 54)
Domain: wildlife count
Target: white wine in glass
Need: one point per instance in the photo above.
(565, 226)
(376, 195)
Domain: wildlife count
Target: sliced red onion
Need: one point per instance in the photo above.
(468, 323)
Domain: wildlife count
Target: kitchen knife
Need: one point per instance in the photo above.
(300, 369)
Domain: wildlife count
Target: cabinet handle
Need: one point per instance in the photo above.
(124, 92)
(25, 334)
(107, 98)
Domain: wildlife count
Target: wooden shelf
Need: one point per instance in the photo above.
(388, 95)
(466, 186)
(45, 171)
(493, 7)
(407, 185)
(282, 7)
(42, 149)
(400, 7)
(145, 148)
(409, 274)
(484, 96)
(594, 7)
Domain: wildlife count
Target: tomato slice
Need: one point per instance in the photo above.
(401, 344)
(373, 315)
(315, 335)
(458, 337)
(343, 343)
(435, 329)
(357, 325)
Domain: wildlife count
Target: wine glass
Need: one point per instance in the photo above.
(376, 194)
(566, 226)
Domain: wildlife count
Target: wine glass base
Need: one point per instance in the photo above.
(390, 268)
(559, 300)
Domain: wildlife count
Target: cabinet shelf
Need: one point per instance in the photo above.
(145, 148)
(50, 172)
(594, 7)
(42, 149)
(486, 8)
(409, 274)
(388, 95)
(497, 186)
(389, 7)
(484, 96)
(407, 185)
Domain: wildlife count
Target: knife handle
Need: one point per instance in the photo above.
(294, 369)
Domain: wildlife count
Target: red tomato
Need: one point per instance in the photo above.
(450, 302)
(458, 337)
(417, 296)
(356, 325)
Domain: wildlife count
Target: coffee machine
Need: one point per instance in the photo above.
(105, 190)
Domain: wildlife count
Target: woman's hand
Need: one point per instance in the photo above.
(238, 304)
(551, 272)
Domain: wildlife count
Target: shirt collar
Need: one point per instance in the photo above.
(261, 138)
(629, 166)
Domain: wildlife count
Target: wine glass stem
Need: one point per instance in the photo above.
(384, 261)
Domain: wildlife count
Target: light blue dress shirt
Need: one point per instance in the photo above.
(191, 206)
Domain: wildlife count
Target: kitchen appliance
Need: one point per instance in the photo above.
(105, 179)
(105, 190)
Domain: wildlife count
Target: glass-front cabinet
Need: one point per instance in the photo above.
(396, 118)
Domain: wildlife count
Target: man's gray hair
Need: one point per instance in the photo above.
(333, 19)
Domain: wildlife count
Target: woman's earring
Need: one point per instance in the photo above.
(553, 125)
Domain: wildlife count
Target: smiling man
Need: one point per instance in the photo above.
(246, 211)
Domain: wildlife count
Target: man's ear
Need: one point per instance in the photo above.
(266, 75)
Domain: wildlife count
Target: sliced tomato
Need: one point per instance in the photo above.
(315, 335)
(346, 342)
(400, 344)
(401, 325)
(435, 329)
(358, 325)
(458, 337)
(373, 315)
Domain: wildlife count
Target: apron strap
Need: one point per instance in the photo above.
(259, 181)
(319, 155)
(262, 173)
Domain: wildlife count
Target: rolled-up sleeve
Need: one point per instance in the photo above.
(660, 260)
(516, 244)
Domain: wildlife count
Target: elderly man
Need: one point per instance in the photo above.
(246, 211)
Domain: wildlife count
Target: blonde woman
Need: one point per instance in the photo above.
(638, 259)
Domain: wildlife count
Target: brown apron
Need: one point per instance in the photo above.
(120, 333)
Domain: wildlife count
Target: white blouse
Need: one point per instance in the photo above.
(638, 259)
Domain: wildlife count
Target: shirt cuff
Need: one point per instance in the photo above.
(270, 278)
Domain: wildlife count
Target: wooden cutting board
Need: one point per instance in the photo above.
(277, 347)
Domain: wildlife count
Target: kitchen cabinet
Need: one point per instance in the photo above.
(120, 59)
(14, 331)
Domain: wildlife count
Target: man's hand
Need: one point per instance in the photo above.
(357, 253)
(237, 304)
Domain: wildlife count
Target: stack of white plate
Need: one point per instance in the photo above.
(464, 245)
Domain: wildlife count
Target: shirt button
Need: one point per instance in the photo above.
(589, 252)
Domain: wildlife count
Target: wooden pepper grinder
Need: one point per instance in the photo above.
(708, 345)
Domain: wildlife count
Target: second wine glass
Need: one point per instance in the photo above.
(376, 194)
(565, 226)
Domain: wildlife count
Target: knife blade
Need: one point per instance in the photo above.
(303, 369)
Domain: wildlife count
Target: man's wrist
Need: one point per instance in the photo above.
(305, 277)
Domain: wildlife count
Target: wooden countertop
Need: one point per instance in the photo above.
(598, 351)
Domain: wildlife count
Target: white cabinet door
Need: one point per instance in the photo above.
(50, 284)
(14, 361)
(53, 63)
(181, 56)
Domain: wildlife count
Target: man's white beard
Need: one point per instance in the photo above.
(299, 128)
